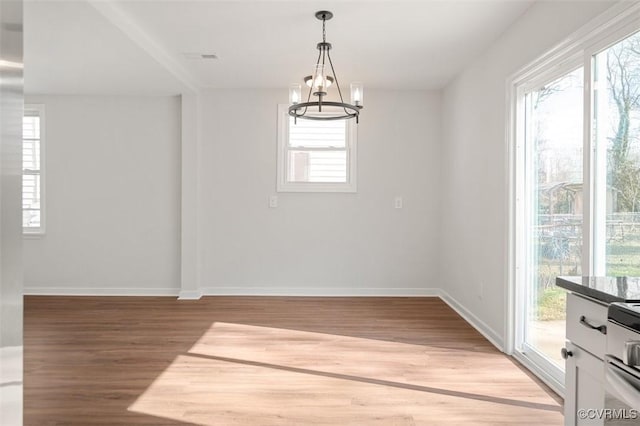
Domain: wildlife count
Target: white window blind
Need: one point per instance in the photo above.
(317, 151)
(32, 179)
(316, 156)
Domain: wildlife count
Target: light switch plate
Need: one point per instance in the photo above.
(397, 203)
(273, 201)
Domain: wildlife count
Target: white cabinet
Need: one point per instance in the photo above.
(584, 387)
(586, 342)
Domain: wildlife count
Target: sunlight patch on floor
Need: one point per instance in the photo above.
(320, 351)
(241, 374)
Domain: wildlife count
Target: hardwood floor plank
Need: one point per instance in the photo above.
(268, 361)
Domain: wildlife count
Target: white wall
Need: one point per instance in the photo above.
(474, 160)
(316, 243)
(112, 197)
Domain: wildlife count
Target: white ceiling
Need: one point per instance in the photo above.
(113, 47)
(70, 48)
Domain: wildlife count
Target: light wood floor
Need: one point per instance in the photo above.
(268, 361)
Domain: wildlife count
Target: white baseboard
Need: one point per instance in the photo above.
(99, 291)
(189, 295)
(234, 291)
(321, 291)
(490, 334)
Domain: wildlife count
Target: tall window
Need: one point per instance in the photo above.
(553, 208)
(316, 155)
(616, 76)
(32, 178)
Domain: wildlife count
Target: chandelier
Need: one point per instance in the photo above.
(319, 81)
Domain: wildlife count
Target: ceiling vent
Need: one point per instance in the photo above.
(191, 55)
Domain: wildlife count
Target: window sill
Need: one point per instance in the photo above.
(316, 187)
(33, 235)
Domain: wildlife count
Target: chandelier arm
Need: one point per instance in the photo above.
(312, 78)
(335, 77)
(350, 111)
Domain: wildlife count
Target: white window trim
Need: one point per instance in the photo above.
(283, 137)
(615, 23)
(40, 231)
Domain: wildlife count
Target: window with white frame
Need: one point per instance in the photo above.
(316, 155)
(32, 177)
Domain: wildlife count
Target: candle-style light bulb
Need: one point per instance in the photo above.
(357, 94)
(294, 94)
(319, 79)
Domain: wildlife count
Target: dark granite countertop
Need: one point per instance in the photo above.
(604, 289)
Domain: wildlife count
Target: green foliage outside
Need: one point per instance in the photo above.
(623, 259)
(551, 304)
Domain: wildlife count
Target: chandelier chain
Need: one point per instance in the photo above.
(324, 31)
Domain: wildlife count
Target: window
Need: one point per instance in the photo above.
(32, 178)
(616, 139)
(316, 156)
(551, 195)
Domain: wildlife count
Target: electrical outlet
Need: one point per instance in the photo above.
(397, 203)
(273, 201)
